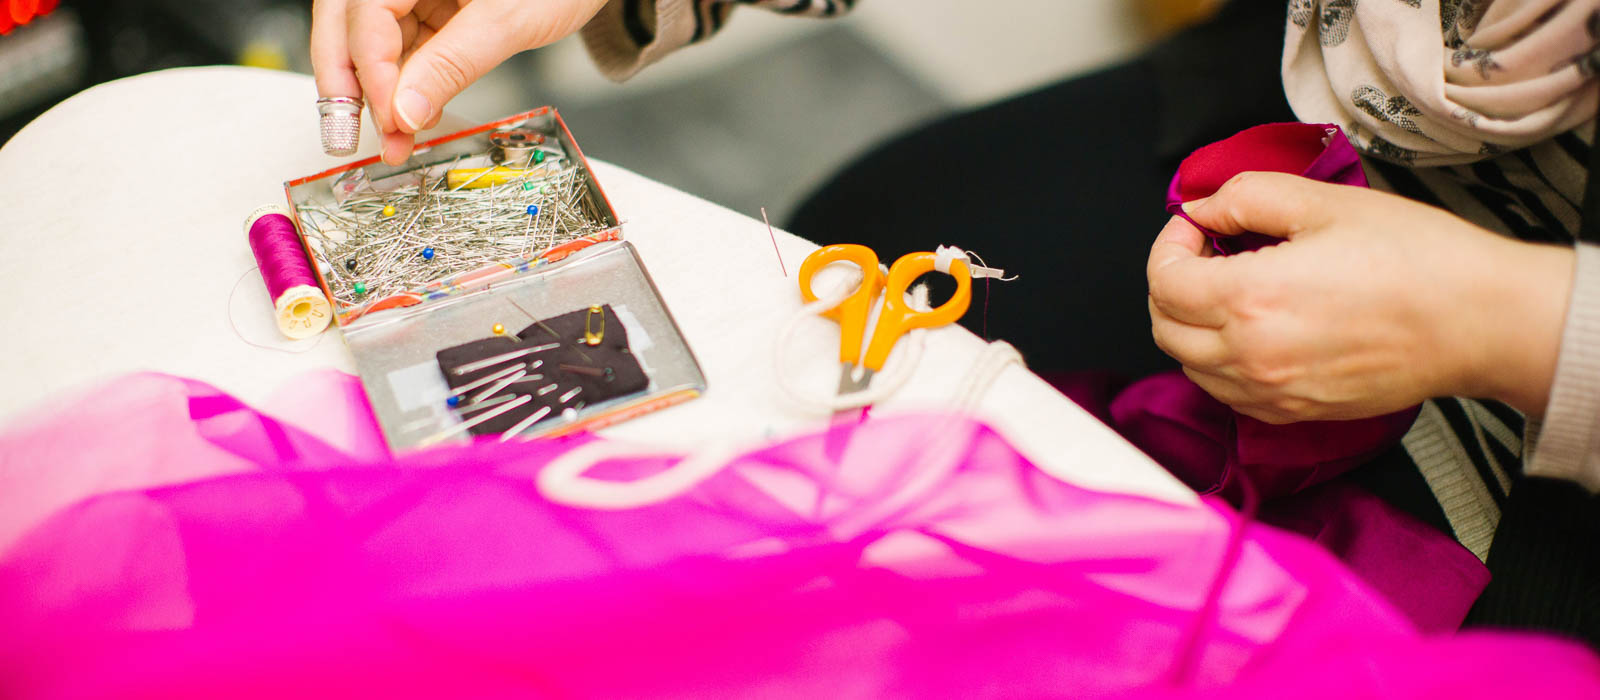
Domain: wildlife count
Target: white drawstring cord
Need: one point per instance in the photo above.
(896, 370)
(985, 370)
(563, 481)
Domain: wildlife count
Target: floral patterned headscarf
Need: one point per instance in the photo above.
(1439, 82)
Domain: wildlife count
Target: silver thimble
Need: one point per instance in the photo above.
(340, 120)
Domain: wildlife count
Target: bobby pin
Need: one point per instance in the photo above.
(585, 371)
(491, 391)
(470, 424)
(464, 388)
(505, 357)
(496, 401)
(523, 424)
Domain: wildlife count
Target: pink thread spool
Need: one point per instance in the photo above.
(302, 309)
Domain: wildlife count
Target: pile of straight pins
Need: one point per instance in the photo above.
(375, 243)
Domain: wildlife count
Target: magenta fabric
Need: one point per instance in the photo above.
(1316, 151)
(1183, 427)
(179, 430)
(1214, 450)
(1425, 573)
(934, 560)
(1210, 447)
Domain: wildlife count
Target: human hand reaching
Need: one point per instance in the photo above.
(1371, 304)
(407, 58)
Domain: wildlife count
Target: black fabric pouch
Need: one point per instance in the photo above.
(597, 372)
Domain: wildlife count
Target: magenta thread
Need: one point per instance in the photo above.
(278, 252)
(300, 306)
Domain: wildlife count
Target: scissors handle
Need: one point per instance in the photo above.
(898, 318)
(852, 312)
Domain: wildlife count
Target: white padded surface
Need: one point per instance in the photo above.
(120, 226)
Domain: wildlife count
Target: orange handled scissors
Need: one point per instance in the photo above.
(897, 317)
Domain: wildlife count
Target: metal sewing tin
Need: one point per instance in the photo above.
(394, 340)
(544, 123)
(395, 351)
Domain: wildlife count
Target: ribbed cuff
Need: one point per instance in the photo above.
(1563, 444)
(621, 45)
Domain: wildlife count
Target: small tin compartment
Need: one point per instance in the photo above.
(511, 277)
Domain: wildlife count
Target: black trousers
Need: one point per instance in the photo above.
(1065, 187)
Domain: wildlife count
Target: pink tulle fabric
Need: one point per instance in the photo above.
(192, 546)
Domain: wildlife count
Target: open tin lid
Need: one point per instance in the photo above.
(505, 145)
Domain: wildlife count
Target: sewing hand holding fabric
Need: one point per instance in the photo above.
(1370, 304)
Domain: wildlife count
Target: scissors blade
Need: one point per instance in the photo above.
(850, 383)
(845, 420)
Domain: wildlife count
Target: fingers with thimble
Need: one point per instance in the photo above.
(339, 92)
(339, 119)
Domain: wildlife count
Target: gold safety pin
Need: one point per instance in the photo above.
(591, 336)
